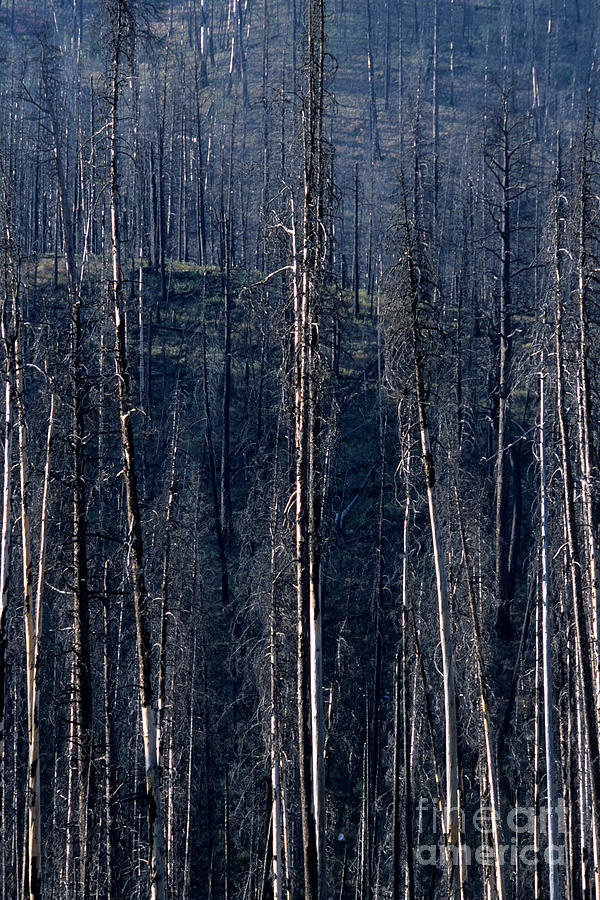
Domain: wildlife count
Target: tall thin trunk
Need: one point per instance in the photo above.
(484, 695)
(401, 78)
(109, 836)
(200, 205)
(551, 790)
(277, 868)
(314, 184)
(387, 73)
(309, 837)
(142, 364)
(308, 465)
(81, 619)
(435, 120)
(82, 709)
(402, 732)
(121, 27)
(396, 831)
(502, 527)
(582, 638)
(33, 767)
(584, 405)
(373, 724)
(316, 642)
(31, 843)
(452, 819)
(226, 404)
(261, 249)
(374, 128)
(161, 213)
(164, 607)
(537, 722)
(33, 621)
(190, 779)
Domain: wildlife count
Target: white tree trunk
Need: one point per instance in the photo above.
(120, 29)
(485, 718)
(452, 812)
(277, 868)
(547, 663)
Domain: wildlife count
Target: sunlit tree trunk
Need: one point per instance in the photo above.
(494, 798)
(584, 404)
(402, 731)
(32, 615)
(552, 798)
(451, 812)
(307, 282)
(33, 766)
(277, 866)
(122, 33)
(82, 707)
(582, 639)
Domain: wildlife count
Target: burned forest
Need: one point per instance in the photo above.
(300, 450)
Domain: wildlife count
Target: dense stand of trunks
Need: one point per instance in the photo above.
(300, 500)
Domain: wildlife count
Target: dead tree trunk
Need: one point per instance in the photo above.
(402, 732)
(586, 450)
(32, 857)
(277, 867)
(164, 608)
(33, 849)
(82, 710)
(502, 528)
(582, 638)
(552, 801)
(492, 779)
(307, 281)
(122, 31)
(452, 819)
